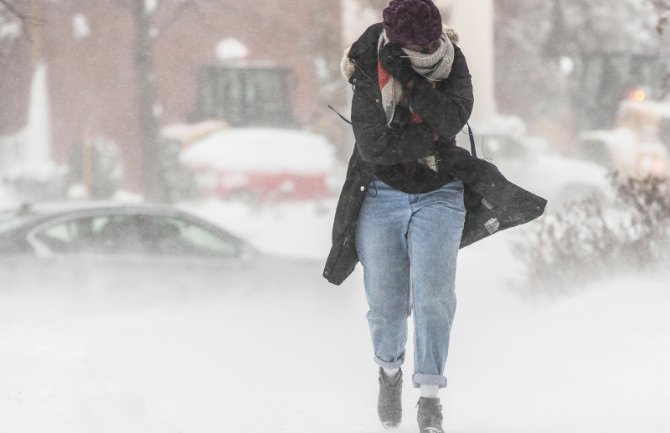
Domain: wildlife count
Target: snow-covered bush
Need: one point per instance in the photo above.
(586, 240)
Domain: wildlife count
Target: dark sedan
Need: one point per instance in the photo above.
(84, 245)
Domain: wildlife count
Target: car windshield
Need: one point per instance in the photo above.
(10, 221)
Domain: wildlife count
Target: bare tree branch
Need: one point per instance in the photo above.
(26, 20)
(663, 11)
(13, 10)
(661, 4)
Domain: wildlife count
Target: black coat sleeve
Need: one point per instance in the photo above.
(378, 143)
(446, 108)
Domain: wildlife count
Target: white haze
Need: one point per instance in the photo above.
(281, 357)
(297, 359)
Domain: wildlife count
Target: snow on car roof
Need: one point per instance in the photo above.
(660, 109)
(262, 149)
(50, 208)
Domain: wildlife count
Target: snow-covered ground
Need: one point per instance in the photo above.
(299, 360)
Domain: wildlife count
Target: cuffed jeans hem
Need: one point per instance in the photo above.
(384, 364)
(429, 379)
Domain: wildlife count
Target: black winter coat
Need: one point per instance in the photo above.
(492, 202)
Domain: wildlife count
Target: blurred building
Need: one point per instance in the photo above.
(473, 20)
(89, 52)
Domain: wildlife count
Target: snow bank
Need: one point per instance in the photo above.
(298, 360)
(262, 149)
(590, 363)
(291, 229)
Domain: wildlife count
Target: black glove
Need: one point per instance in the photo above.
(395, 60)
(401, 117)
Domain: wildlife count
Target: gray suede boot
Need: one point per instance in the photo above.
(389, 405)
(429, 415)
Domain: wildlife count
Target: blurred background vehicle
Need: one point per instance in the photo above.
(529, 162)
(261, 164)
(112, 245)
(639, 144)
(145, 319)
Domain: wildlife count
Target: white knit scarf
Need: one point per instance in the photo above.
(435, 67)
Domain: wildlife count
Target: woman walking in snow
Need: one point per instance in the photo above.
(402, 211)
(410, 223)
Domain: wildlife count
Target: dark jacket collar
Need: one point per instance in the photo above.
(364, 51)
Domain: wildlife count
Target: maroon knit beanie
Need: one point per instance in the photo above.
(416, 22)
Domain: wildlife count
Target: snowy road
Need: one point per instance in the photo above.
(298, 360)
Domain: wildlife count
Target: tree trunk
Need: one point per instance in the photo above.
(152, 176)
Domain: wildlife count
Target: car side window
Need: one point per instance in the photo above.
(57, 238)
(111, 234)
(108, 234)
(171, 236)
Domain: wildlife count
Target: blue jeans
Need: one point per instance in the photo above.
(408, 244)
